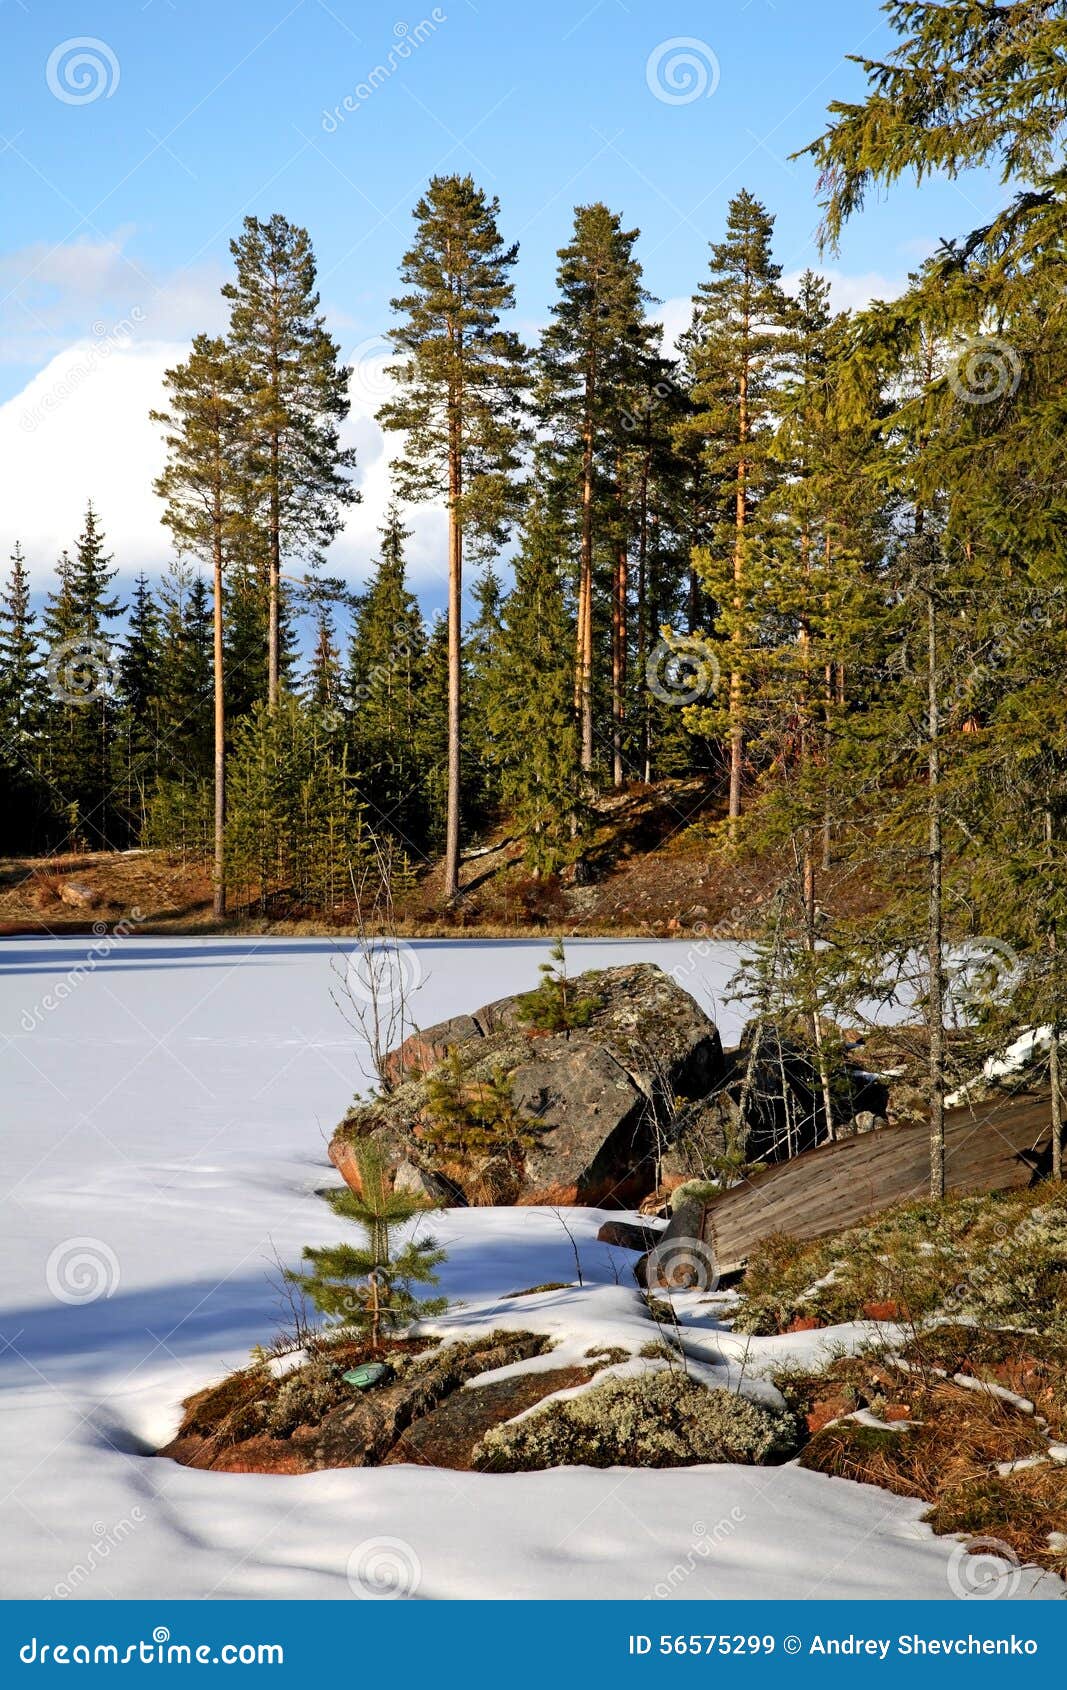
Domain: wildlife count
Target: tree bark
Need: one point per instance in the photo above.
(740, 513)
(274, 582)
(620, 593)
(584, 667)
(219, 895)
(455, 675)
(1056, 1099)
(1056, 1107)
(935, 1007)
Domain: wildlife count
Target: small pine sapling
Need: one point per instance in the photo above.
(370, 1286)
(474, 1119)
(554, 1006)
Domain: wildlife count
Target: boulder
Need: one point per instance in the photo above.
(594, 1102)
(422, 1051)
(77, 895)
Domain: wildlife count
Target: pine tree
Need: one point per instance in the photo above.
(205, 500)
(591, 362)
(295, 398)
(370, 1287)
(462, 379)
(740, 313)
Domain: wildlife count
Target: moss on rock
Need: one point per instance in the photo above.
(658, 1419)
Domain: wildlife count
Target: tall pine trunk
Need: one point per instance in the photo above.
(935, 1005)
(740, 513)
(455, 670)
(274, 585)
(619, 635)
(584, 666)
(1054, 1078)
(219, 898)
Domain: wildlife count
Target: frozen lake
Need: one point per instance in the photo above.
(166, 1112)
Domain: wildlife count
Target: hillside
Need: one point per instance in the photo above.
(655, 865)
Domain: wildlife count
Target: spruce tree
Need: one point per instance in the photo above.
(23, 690)
(967, 87)
(432, 739)
(324, 682)
(80, 721)
(137, 690)
(530, 694)
(181, 808)
(26, 801)
(294, 400)
(480, 647)
(461, 378)
(383, 684)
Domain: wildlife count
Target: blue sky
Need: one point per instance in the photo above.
(118, 209)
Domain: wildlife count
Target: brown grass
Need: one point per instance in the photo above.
(949, 1458)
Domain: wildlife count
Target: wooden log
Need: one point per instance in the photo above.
(995, 1147)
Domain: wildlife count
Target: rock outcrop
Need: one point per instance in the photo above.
(591, 1104)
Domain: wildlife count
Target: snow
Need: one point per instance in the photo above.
(167, 1115)
(1014, 1059)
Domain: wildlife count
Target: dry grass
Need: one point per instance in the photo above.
(942, 1442)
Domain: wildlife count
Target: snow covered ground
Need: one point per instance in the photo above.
(166, 1110)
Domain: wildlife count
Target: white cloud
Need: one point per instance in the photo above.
(675, 315)
(53, 296)
(852, 293)
(847, 293)
(80, 430)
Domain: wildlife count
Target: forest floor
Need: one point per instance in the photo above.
(657, 864)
